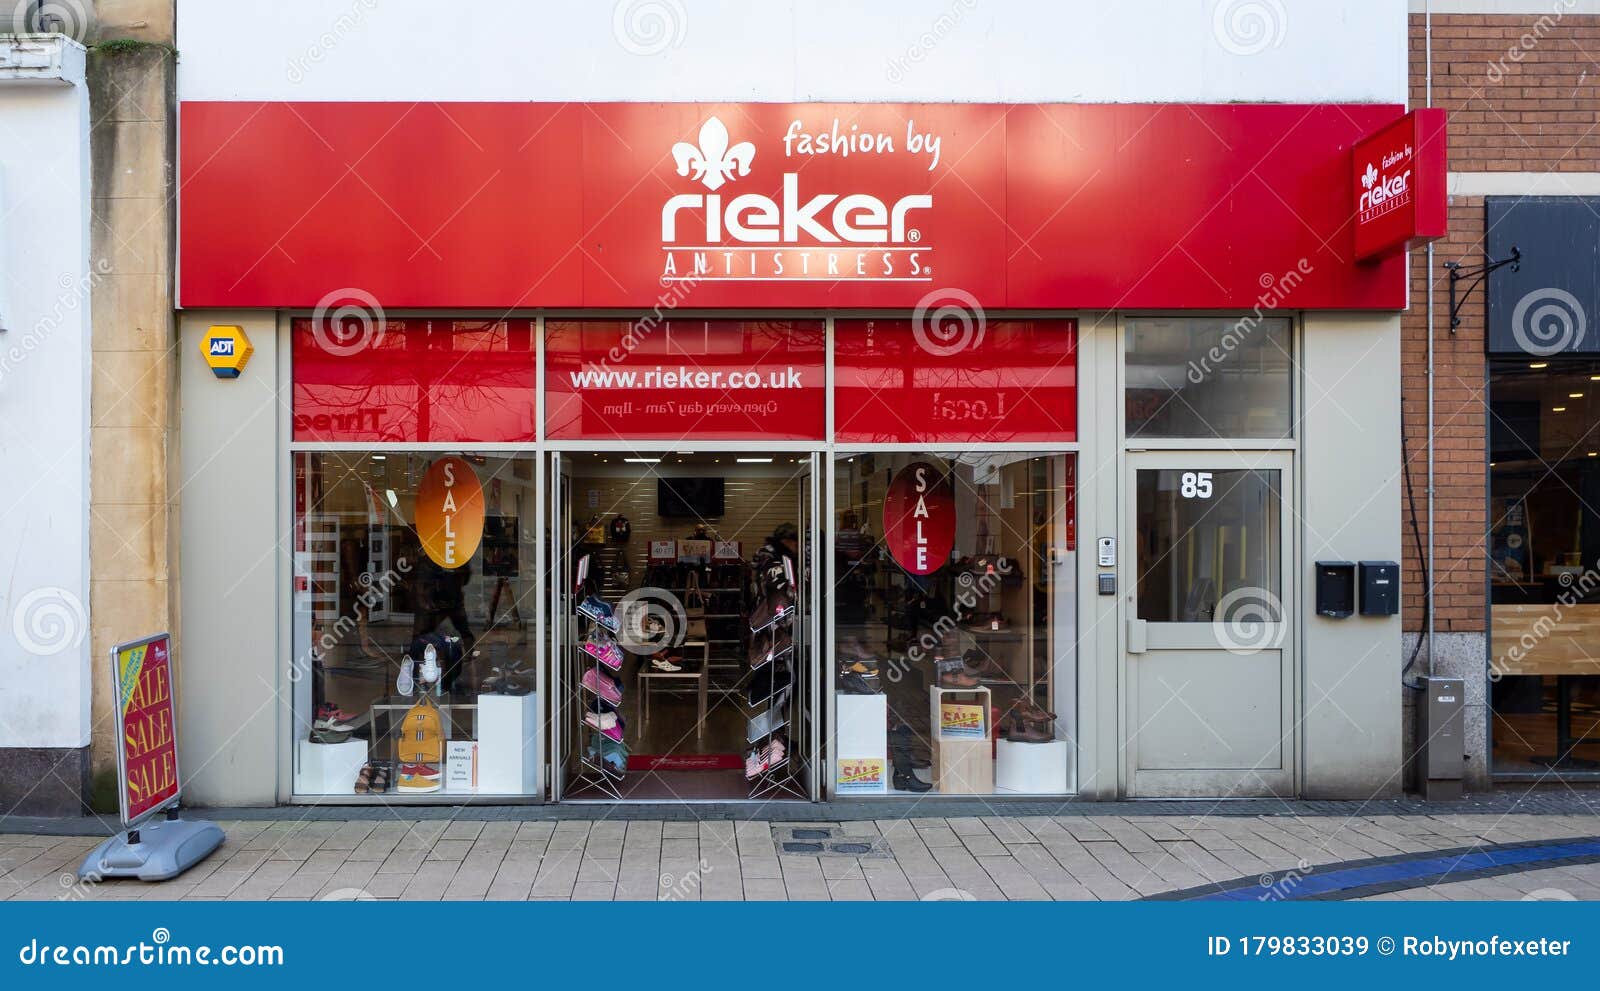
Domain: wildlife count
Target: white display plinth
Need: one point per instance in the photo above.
(1031, 768)
(508, 744)
(328, 768)
(861, 758)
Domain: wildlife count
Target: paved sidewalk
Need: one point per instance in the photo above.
(1105, 858)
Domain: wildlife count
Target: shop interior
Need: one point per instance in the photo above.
(1544, 565)
(683, 639)
(959, 680)
(413, 677)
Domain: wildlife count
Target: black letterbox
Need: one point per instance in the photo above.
(1336, 589)
(1380, 588)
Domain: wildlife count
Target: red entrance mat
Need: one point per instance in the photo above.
(685, 762)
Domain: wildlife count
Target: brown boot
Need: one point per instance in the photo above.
(1031, 724)
(958, 678)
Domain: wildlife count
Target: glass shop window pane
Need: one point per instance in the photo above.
(1209, 377)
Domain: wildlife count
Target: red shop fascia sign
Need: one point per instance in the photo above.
(504, 206)
(949, 216)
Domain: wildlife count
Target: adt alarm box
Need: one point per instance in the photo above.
(1380, 588)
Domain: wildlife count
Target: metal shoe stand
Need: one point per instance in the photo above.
(591, 771)
(774, 713)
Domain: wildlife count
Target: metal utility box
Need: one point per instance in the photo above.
(1441, 740)
(1336, 589)
(1380, 588)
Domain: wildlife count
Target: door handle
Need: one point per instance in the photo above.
(1136, 635)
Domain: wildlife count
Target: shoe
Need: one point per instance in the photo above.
(602, 686)
(429, 673)
(364, 780)
(601, 646)
(906, 781)
(608, 724)
(419, 771)
(600, 611)
(851, 683)
(958, 677)
(407, 684)
(663, 662)
(754, 764)
(602, 749)
(506, 681)
(1031, 724)
(982, 665)
(768, 682)
(379, 782)
(332, 719)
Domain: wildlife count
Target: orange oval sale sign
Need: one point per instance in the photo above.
(450, 512)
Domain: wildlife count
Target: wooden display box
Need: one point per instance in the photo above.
(963, 754)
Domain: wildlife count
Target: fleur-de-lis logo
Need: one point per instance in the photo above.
(713, 163)
(1369, 177)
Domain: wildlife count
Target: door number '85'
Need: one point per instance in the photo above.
(1195, 485)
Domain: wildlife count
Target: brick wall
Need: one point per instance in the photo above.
(1523, 95)
(1521, 89)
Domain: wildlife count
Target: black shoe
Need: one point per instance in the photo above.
(851, 683)
(910, 782)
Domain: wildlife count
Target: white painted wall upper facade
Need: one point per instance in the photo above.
(44, 404)
(1064, 51)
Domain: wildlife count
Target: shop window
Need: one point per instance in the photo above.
(365, 379)
(1209, 377)
(653, 379)
(953, 648)
(413, 615)
(958, 379)
(1544, 564)
(1205, 536)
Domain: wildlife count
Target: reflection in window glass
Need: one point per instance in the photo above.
(413, 603)
(954, 645)
(1204, 535)
(1544, 564)
(413, 380)
(1209, 377)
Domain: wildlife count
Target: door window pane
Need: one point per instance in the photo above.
(1209, 377)
(1206, 535)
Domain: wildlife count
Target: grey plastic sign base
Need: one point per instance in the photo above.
(166, 848)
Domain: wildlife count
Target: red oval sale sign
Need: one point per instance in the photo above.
(919, 517)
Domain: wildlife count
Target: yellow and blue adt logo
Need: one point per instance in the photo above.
(226, 350)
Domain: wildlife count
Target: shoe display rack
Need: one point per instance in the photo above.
(775, 697)
(598, 690)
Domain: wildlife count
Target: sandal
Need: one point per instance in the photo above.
(380, 779)
(364, 780)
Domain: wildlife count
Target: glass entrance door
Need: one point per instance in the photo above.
(684, 625)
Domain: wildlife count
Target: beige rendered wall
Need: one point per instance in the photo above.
(229, 675)
(1350, 511)
(132, 587)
